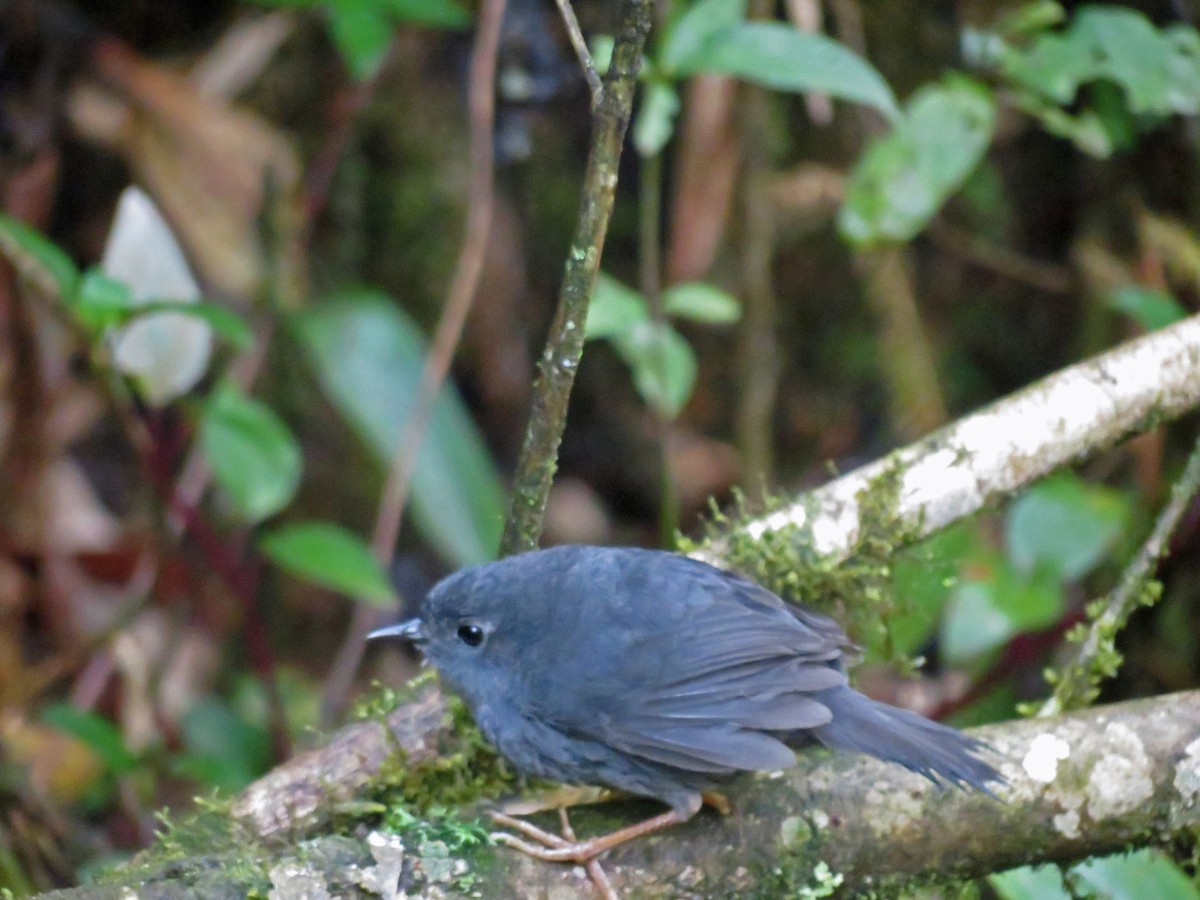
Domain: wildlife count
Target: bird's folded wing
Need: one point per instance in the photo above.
(717, 697)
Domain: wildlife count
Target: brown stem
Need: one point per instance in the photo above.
(564, 345)
(463, 288)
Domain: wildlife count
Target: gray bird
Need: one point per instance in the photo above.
(657, 675)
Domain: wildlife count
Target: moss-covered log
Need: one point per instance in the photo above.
(1089, 783)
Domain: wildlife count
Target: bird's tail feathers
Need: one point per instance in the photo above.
(939, 752)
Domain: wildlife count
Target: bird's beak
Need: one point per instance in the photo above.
(410, 631)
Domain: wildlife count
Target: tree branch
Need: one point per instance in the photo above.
(564, 345)
(991, 454)
(1085, 784)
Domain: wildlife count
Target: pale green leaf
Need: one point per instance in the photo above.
(367, 355)
(701, 302)
(1066, 524)
(655, 120)
(254, 457)
(663, 365)
(36, 256)
(904, 178)
(332, 557)
(614, 309)
(783, 58)
(686, 33)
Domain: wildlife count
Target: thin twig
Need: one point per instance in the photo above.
(564, 344)
(1077, 682)
(344, 109)
(1048, 277)
(460, 297)
(595, 85)
(758, 360)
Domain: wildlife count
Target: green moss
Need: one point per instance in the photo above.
(465, 769)
(208, 850)
(818, 882)
(1078, 684)
(858, 591)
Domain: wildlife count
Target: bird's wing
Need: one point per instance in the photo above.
(711, 688)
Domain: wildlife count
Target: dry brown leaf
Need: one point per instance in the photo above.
(212, 169)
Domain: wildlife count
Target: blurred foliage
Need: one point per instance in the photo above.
(362, 29)
(367, 354)
(1128, 876)
(661, 360)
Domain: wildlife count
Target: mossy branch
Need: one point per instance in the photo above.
(1080, 785)
(991, 454)
(564, 344)
(1098, 658)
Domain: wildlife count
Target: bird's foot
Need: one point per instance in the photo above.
(554, 848)
(560, 849)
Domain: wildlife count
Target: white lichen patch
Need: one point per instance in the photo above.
(1187, 774)
(1071, 803)
(1045, 753)
(383, 878)
(893, 811)
(1067, 824)
(297, 881)
(1120, 781)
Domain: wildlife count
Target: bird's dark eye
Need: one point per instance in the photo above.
(471, 635)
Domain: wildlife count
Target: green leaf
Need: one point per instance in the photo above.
(224, 322)
(1065, 524)
(254, 457)
(655, 119)
(330, 556)
(1086, 129)
(367, 355)
(780, 57)
(904, 178)
(94, 730)
(362, 32)
(433, 13)
(1150, 308)
(973, 624)
(923, 577)
(1030, 883)
(362, 29)
(614, 309)
(1032, 17)
(986, 610)
(102, 301)
(602, 46)
(1134, 876)
(221, 749)
(662, 363)
(1183, 80)
(34, 255)
(686, 33)
(701, 302)
(1155, 69)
